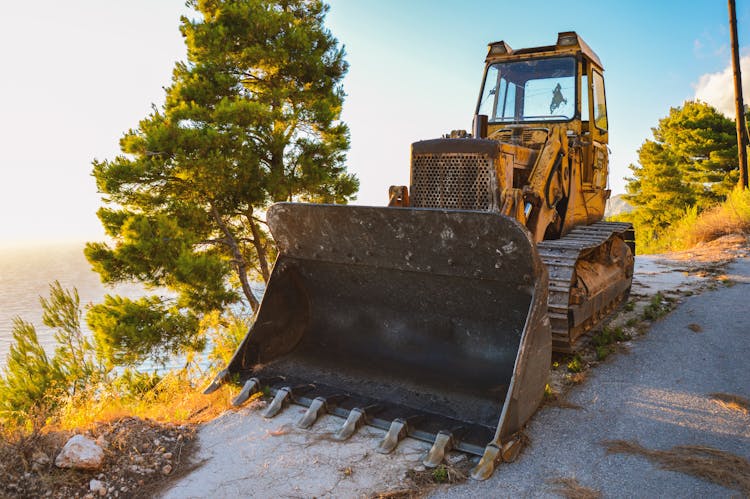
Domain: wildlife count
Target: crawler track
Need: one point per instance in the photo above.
(570, 321)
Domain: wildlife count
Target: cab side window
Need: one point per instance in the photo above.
(600, 103)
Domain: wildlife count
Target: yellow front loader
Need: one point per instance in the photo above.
(435, 317)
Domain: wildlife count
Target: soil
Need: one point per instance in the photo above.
(141, 458)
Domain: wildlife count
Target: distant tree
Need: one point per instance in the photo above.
(692, 161)
(252, 117)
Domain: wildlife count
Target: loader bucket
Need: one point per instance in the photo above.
(424, 322)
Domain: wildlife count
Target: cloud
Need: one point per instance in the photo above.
(717, 89)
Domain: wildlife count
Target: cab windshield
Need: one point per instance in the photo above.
(527, 91)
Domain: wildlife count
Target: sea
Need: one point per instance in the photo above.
(25, 275)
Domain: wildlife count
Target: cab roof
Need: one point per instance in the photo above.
(568, 42)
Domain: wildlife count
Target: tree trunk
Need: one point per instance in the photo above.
(260, 249)
(239, 261)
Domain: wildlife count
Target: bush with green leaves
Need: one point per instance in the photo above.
(32, 380)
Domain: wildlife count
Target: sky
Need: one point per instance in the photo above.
(76, 75)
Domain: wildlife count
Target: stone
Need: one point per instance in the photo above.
(167, 455)
(40, 458)
(95, 485)
(102, 442)
(80, 453)
(167, 469)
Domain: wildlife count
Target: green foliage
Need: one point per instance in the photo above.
(128, 332)
(29, 375)
(604, 339)
(131, 383)
(440, 474)
(252, 117)
(225, 332)
(608, 336)
(658, 307)
(31, 379)
(575, 365)
(690, 165)
(603, 351)
(75, 353)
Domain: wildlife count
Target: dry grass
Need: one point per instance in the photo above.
(174, 400)
(400, 494)
(732, 402)
(714, 465)
(421, 483)
(717, 222)
(571, 489)
(696, 328)
(576, 378)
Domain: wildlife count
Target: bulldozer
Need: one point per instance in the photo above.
(435, 317)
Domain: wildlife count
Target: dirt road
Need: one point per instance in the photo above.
(659, 395)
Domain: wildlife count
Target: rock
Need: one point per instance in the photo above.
(80, 453)
(102, 442)
(167, 455)
(40, 458)
(167, 469)
(97, 487)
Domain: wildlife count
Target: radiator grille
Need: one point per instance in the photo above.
(452, 180)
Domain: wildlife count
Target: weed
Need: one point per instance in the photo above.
(440, 474)
(629, 306)
(632, 322)
(726, 281)
(575, 365)
(696, 328)
(658, 307)
(602, 352)
(608, 336)
(548, 393)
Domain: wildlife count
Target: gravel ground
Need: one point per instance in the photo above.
(657, 395)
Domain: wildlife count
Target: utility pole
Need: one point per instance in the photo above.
(739, 106)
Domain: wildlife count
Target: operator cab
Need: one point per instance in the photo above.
(545, 85)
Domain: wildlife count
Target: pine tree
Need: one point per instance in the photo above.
(691, 162)
(251, 118)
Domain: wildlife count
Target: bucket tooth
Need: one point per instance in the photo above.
(219, 380)
(317, 408)
(251, 387)
(281, 400)
(353, 422)
(396, 433)
(443, 443)
(486, 466)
